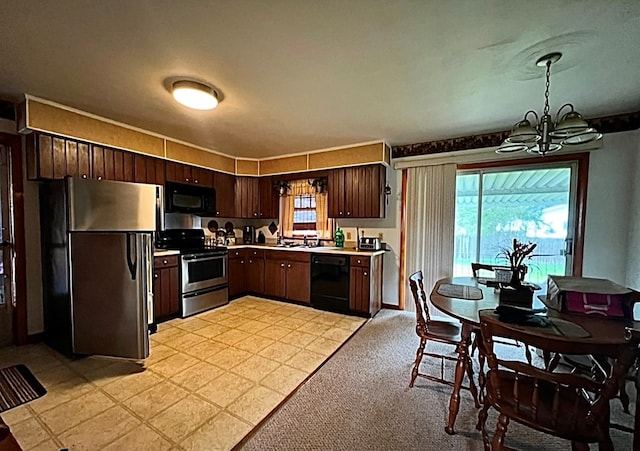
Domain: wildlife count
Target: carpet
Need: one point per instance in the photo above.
(360, 400)
(18, 386)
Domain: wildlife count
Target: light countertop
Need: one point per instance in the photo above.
(313, 250)
(164, 253)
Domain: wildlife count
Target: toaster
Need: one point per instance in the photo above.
(369, 244)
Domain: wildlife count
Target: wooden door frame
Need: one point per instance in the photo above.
(14, 146)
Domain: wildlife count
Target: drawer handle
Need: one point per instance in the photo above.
(155, 275)
(242, 262)
(186, 180)
(348, 213)
(359, 261)
(288, 266)
(365, 274)
(164, 262)
(282, 265)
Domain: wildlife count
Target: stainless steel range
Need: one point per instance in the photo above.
(203, 274)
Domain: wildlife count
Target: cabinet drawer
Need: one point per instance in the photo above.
(165, 262)
(255, 253)
(238, 253)
(360, 261)
(297, 256)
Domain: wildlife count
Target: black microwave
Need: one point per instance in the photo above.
(192, 199)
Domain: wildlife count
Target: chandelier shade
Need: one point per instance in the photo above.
(541, 134)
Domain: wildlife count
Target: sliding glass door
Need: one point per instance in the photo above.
(535, 204)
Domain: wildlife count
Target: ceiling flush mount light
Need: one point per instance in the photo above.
(196, 95)
(543, 135)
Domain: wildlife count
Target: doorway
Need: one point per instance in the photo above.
(7, 253)
(534, 204)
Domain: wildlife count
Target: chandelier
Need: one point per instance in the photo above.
(543, 135)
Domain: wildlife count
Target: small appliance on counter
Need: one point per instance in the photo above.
(248, 234)
(261, 238)
(369, 244)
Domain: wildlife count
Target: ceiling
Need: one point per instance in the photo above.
(304, 75)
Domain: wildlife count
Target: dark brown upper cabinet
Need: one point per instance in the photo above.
(224, 184)
(112, 164)
(269, 200)
(148, 169)
(53, 157)
(190, 175)
(357, 192)
(247, 197)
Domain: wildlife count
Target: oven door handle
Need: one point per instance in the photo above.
(191, 258)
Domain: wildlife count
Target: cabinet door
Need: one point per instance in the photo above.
(123, 168)
(336, 193)
(165, 293)
(359, 289)
(158, 310)
(236, 276)
(247, 197)
(364, 187)
(52, 157)
(255, 275)
(202, 176)
(111, 164)
(76, 158)
(224, 184)
(154, 170)
(298, 281)
(178, 172)
(268, 199)
(275, 278)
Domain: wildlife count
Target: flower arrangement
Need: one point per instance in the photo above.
(516, 257)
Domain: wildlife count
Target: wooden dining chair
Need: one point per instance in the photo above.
(447, 332)
(536, 394)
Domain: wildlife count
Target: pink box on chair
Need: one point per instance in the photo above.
(590, 296)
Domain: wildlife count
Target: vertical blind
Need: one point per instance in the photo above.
(431, 196)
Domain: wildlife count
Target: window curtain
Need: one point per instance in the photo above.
(431, 192)
(324, 224)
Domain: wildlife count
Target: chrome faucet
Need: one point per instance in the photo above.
(306, 241)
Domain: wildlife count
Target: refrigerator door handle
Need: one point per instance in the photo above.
(132, 262)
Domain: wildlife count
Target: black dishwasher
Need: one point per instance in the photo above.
(330, 282)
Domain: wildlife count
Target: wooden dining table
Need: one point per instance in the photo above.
(464, 297)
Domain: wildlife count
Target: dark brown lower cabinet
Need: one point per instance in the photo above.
(365, 286)
(254, 273)
(166, 292)
(246, 272)
(235, 273)
(288, 275)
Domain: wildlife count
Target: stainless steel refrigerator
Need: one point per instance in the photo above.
(97, 253)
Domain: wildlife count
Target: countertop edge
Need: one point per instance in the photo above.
(311, 250)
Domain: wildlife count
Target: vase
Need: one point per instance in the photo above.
(517, 275)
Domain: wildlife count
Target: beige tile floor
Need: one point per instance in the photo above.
(209, 380)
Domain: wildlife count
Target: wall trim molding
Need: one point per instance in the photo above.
(607, 124)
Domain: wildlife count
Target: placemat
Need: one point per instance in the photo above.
(18, 386)
(460, 291)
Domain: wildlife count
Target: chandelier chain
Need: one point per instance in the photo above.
(546, 90)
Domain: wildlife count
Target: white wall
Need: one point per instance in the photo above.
(35, 313)
(633, 247)
(611, 207)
